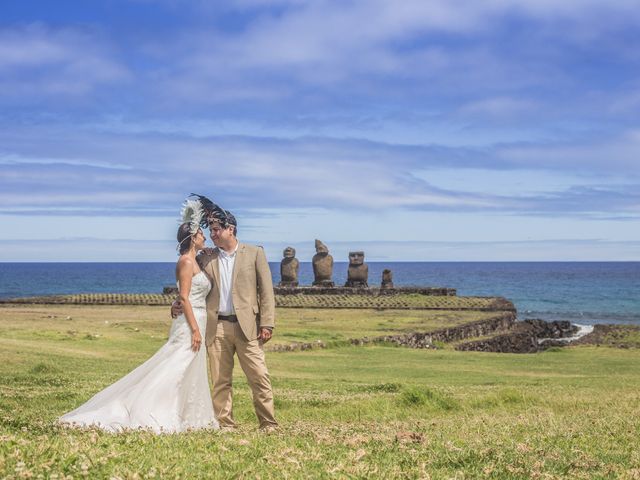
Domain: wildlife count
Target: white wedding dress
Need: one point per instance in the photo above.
(166, 394)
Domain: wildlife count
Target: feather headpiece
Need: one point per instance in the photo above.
(214, 213)
(193, 214)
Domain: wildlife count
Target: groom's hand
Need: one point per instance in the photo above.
(265, 334)
(176, 309)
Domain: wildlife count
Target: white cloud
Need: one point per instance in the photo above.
(505, 107)
(155, 173)
(617, 155)
(19, 160)
(37, 61)
(458, 55)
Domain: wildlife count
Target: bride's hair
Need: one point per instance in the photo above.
(184, 238)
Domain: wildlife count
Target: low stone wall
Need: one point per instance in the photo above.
(506, 343)
(95, 299)
(528, 336)
(543, 329)
(504, 321)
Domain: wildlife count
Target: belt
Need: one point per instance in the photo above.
(228, 318)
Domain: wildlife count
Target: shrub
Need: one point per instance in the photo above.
(416, 396)
(413, 396)
(43, 368)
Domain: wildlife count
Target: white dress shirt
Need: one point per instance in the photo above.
(225, 266)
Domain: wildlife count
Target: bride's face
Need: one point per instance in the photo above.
(199, 240)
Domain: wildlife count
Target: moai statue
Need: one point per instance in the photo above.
(387, 279)
(358, 272)
(322, 266)
(289, 267)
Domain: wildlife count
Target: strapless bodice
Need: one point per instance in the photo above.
(200, 287)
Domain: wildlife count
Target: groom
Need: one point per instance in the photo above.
(241, 317)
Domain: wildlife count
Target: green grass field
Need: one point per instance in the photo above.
(346, 411)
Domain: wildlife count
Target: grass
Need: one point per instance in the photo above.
(346, 412)
(305, 325)
(114, 324)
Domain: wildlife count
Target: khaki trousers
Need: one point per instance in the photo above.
(229, 340)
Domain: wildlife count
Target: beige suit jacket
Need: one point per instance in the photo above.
(251, 290)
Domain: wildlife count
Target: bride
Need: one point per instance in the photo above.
(170, 391)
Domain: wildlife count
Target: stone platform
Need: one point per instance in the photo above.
(404, 301)
(368, 291)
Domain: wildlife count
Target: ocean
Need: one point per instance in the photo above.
(583, 292)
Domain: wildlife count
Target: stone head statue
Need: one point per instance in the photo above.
(358, 272)
(289, 267)
(321, 247)
(387, 279)
(322, 263)
(356, 258)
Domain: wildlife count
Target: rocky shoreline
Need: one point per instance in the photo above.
(503, 334)
(612, 335)
(446, 335)
(527, 336)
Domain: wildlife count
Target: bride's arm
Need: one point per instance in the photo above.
(184, 272)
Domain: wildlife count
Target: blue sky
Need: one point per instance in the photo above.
(413, 130)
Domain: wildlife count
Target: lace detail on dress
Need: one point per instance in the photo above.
(200, 286)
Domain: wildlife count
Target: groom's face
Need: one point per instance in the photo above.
(220, 235)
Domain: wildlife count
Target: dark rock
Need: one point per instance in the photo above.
(528, 336)
(170, 290)
(543, 329)
(507, 343)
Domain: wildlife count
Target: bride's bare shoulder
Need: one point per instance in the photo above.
(184, 263)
